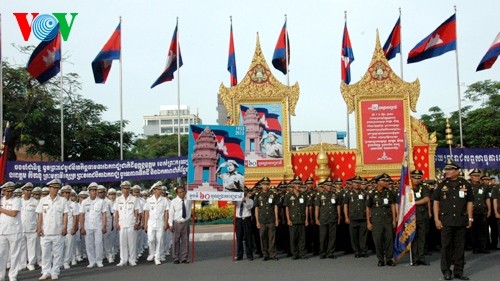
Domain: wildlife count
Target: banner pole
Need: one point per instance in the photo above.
(192, 237)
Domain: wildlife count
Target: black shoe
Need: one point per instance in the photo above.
(391, 262)
(265, 259)
(380, 263)
(331, 257)
(184, 261)
(356, 256)
(289, 255)
(322, 257)
(176, 262)
(484, 251)
(295, 258)
(475, 252)
(414, 263)
(461, 277)
(447, 276)
(304, 257)
(274, 259)
(423, 263)
(250, 258)
(239, 258)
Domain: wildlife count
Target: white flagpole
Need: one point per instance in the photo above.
(400, 44)
(178, 90)
(61, 101)
(287, 61)
(347, 112)
(458, 84)
(121, 93)
(1, 82)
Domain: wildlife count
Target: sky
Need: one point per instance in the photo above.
(315, 32)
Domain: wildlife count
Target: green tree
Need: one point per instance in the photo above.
(159, 146)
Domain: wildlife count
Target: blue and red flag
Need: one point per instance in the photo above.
(491, 55)
(3, 153)
(268, 121)
(281, 56)
(231, 60)
(393, 44)
(440, 41)
(229, 147)
(101, 65)
(45, 60)
(406, 227)
(346, 57)
(171, 67)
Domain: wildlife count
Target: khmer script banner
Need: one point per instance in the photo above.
(98, 171)
(470, 158)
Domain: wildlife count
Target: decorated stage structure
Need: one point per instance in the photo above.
(381, 102)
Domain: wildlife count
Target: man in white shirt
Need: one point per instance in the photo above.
(52, 226)
(93, 225)
(108, 236)
(29, 220)
(127, 223)
(140, 237)
(244, 226)
(155, 222)
(10, 231)
(73, 218)
(179, 216)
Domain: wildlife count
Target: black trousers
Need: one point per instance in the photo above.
(452, 249)
(479, 233)
(244, 233)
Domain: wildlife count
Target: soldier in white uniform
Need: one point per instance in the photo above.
(10, 231)
(93, 225)
(80, 251)
(37, 194)
(73, 218)
(167, 235)
(141, 237)
(156, 222)
(127, 222)
(29, 220)
(52, 226)
(115, 240)
(108, 236)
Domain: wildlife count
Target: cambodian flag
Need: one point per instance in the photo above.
(268, 121)
(393, 44)
(281, 56)
(491, 55)
(101, 65)
(346, 57)
(231, 60)
(440, 41)
(171, 67)
(45, 61)
(406, 228)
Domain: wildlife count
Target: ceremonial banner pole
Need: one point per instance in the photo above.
(1, 82)
(458, 87)
(234, 230)
(287, 59)
(121, 94)
(193, 216)
(178, 92)
(61, 100)
(400, 45)
(347, 111)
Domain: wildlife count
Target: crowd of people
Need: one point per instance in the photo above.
(54, 227)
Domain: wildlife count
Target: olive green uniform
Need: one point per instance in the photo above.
(327, 204)
(480, 211)
(495, 194)
(356, 204)
(296, 205)
(422, 223)
(453, 196)
(380, 203)
(265, 202)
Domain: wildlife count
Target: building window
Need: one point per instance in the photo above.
(153, 123)
(166, 121)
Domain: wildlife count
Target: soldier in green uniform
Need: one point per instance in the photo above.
(312, 230)
(496, 205)
(296, 214)
(381, 219)
(327, 209)
(355, 217)
(266, 214)
(421, 193)
(453, 199)
(433, 235)
(481, 211)
(493, 220)
(282, 234)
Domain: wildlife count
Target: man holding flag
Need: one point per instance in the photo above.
(421, 193)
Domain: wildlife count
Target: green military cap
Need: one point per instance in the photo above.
(475, 172)
(338, 180)
(328, 181)
(416, 174)
(309, 180)
(364, 181)
(296, 180)
(382, 177)
(450, 165)
(486, 176)
(265, 180)
(357, 179)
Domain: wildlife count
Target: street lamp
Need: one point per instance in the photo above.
(41, 143)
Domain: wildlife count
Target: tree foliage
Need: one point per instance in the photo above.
(159, 146)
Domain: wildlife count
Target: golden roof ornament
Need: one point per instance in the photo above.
(323, 170)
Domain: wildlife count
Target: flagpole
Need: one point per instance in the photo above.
(458, 85)
(400, 44)
(347, 111)
(1, 82)
(61, 101)
(121, 93)
(178, 90)
(287, 61)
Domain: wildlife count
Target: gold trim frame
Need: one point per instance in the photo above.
(259, 86)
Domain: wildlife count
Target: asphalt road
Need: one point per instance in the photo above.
(213, 262)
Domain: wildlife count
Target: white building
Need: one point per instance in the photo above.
(168, 121)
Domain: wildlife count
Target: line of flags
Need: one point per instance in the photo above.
(45, 60)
